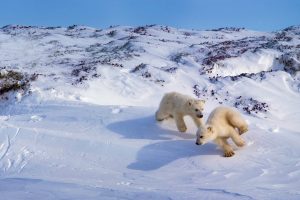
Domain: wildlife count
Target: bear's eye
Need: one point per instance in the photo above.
(196, 110)
(201, 136)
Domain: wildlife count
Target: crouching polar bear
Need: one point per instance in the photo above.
(223, 123)
(177, 106)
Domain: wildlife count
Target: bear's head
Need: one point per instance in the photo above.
(195, 108)
(205, 134)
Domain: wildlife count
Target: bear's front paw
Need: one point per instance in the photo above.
(240, 143)
(228, 153)
(182, 128)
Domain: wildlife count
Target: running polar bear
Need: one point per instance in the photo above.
(177, 105)
(223, 123)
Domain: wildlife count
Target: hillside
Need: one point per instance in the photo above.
(78, 104)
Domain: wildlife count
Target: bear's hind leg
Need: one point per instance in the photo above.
(236, 138)
(243, 128)
(238, 122)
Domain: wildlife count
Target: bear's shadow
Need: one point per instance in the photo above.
(145, 128)
(157, 155)
(163, 152)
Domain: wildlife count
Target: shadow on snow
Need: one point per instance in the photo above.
(145, 128)
(155, 156)
(163, 152)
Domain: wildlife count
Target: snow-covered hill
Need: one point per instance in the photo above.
(77, 108)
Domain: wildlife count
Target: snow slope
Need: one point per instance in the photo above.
(84, 128)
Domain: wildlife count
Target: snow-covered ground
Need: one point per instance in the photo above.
(84, 127)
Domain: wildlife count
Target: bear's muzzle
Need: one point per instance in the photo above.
(200, 115)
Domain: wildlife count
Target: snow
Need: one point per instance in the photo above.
(248, 63)
(88, 151)
(80, 136)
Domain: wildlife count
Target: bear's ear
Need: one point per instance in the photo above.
(201, 101)
(209, 128)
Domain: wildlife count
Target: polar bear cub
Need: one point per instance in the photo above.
(223, 123)
(177, 105)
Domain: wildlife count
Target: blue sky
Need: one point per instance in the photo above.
(265, 15)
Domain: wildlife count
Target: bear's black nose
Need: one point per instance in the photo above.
(200, 116)
(197, 143)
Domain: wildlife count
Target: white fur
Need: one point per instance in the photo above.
(223, 123)
(177, 105)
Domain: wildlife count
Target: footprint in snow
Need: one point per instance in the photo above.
(4, 118)
(230, 175)
(264, 172)
(215, 173)
(250, 143)
(116, 110)
(274, 130)
(294, 174)
(124, 183)
(36, 118)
